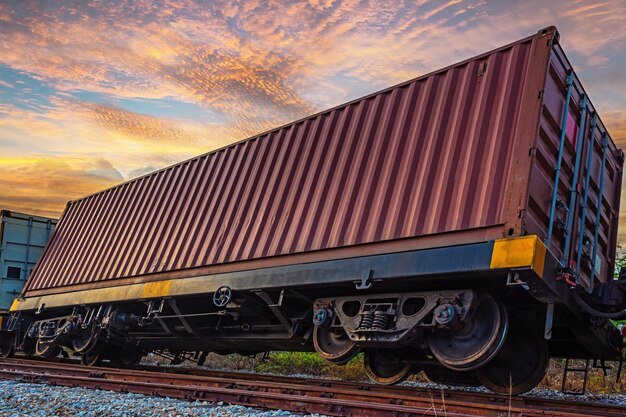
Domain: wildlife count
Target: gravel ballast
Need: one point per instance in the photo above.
(40, 400)
(18, 399)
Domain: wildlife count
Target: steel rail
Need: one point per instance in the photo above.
(336, 398)
(442, 393)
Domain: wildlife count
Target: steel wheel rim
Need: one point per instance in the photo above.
(454, 350)
(46, 350)
(7, 345)
(127, 357)
(382, 372)
(85, 344)
(335, 347)
(90, 358)
(519, 367)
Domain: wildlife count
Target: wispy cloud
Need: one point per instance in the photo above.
(142, 127)
(78, 79)
(142, 51)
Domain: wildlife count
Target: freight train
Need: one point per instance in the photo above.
(462, 223)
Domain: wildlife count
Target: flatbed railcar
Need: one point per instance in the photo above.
(462, 223)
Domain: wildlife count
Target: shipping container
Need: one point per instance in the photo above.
(463, 154)
(22, 240)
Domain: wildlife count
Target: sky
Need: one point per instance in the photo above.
(96, 93)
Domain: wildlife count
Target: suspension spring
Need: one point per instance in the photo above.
(48, 329)
(381, 320)
(367, 320)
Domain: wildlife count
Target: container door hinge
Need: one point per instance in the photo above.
(532, 152)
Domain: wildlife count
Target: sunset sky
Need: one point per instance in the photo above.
(92, 94)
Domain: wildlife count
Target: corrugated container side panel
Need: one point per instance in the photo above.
(85, 238)
(56, 239)
(22, 240)
(109, 230)
(188, 235)
(181, 215)
(197, 238)
(148, 204)
(426, 157)
(77, 241)
(148, 259)
(543, 174)
(283, 194)
(116, 224)
(90, 240)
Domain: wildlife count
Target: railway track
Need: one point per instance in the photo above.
(300, 395)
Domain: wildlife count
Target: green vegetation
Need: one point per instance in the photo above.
(620, 261)
(287, 363)
(294, 363)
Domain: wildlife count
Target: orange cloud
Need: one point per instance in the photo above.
(43, 185)
(147, 53)
(132, 140)
(140, 126)
(616, 124)
(256, 64)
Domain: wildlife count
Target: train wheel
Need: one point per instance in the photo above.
(85, 340)
(7, 345)
(477, 342)
(334, 345)
(383, 366)
(28, 346)
(127, 357)
(46, 350)
(90, 358)
(519, 366)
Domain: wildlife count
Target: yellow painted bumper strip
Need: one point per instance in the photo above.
(519, 252)
(156, 289)
(14, 305)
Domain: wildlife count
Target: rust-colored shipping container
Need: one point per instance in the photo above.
(466, 153)
(481, 199)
